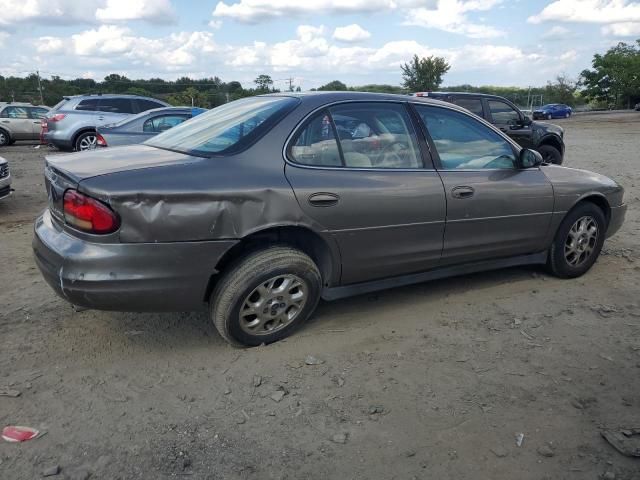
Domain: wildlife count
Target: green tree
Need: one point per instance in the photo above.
(335, 86)
(561, 91)
(424, 74)
(263, 83)
(615, 76)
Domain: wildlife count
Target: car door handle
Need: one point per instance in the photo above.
(323, 199)
(100, 117)
(5, 121)
(462, 192)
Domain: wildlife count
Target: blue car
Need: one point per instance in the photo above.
(552, 110)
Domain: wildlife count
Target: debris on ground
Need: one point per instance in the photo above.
(339, 438)
(9, 392)
(19, 434)
(519, 439)
(278, 395)
(51, 471)
(257, 380)
(625, 440)
(546, 451)
(311, 360)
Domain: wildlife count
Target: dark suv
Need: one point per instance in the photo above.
(543, 137)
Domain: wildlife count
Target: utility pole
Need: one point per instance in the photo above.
(40, 87)
(290, 84)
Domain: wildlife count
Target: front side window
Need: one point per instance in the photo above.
(15, 112)
(370, 135)
(474, 105)
(226, 129)
(503, 113)
(463, 143)
(163, 123)
(144, 104)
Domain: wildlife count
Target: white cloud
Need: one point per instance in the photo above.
(3, 38)
(50, 45)
(155, 11)
(254, 11)
(351, 33)
(589, 11)
(452, 16)
(215, 24)
(47, 11)
(624, 29)
(556, 33)
(569, 56)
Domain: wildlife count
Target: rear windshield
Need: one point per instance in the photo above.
(225, 129)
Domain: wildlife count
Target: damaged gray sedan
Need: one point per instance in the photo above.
(259, 208)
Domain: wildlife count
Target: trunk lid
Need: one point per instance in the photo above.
(68, 171)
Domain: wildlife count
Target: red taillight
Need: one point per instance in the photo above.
(57, 117)
(100, 141)
(88, 214)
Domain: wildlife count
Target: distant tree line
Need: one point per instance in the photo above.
(613, 82)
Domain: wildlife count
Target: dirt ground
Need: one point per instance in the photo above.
(432, 381)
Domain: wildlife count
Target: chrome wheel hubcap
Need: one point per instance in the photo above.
(273, 305)
(581, 241)
(3, 138)
(88, 143)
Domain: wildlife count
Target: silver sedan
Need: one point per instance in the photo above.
(141, 127)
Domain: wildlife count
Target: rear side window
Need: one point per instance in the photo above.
(369, 135)
(163, 123)
(15, 112)
(38, 112)
(316, 144)
(144, 105)
(89, 105)
(474, 105)
(226, 129)
(115, 105)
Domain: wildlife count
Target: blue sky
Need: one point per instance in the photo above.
(498, 42)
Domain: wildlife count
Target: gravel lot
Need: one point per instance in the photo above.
(431, 382)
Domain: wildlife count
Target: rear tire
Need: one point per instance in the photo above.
(550, 154)
(265, 296)
(578, 241)
(548, 116)
(86, 141)
(5, 138)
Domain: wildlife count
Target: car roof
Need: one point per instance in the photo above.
(327, 97)
(109, 95)
(461, 94)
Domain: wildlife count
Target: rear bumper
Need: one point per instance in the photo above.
(55, 138)
(151, 277)
(616, 219)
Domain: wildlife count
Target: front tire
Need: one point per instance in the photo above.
(550, 154)
(548, 116)
(265, 296)
(578, 241)
(86, 141)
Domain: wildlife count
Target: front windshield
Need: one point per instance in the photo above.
(226, 128)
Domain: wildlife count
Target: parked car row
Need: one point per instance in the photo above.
(255, 210)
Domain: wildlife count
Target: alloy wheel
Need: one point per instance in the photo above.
(3, 138)
(88, 143)
(273, 305)
(581, 241)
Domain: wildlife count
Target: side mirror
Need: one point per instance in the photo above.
(529, 158)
